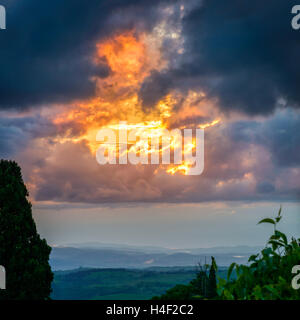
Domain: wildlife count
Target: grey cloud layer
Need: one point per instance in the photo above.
(243, 161)
(243, 53)
(46, 50)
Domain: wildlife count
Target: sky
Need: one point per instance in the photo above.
(70, 68)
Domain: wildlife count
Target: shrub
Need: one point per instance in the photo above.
(268, 275)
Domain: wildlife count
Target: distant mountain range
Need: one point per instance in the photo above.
(98, 255)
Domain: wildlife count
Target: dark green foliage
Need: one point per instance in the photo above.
(212, 280)
(22, 252)
(179, 292)
(200, 284)
(118, 284)
(268, 277)
(204, 286)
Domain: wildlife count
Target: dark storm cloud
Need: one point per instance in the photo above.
(283, 137)
(10, 139)
(242, 52)
(245, 54)
(16, 133)
(46, 50)
(280, 135)
(156, 85)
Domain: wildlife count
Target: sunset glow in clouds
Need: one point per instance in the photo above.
(131, 58)
(155, 65)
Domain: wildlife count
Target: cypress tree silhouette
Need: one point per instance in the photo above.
(212, 280)
(23, 253)
(205, 283)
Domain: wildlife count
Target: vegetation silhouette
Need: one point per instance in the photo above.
(267, 276)
(23, 253)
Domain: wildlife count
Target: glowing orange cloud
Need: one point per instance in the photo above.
(131, 57)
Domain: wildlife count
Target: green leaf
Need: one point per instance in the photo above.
(271, 289)
(267, 220)
(230, 270)
(278, 218)
(253, 257)
(282, 236)
(266, 252)
(276, 244)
